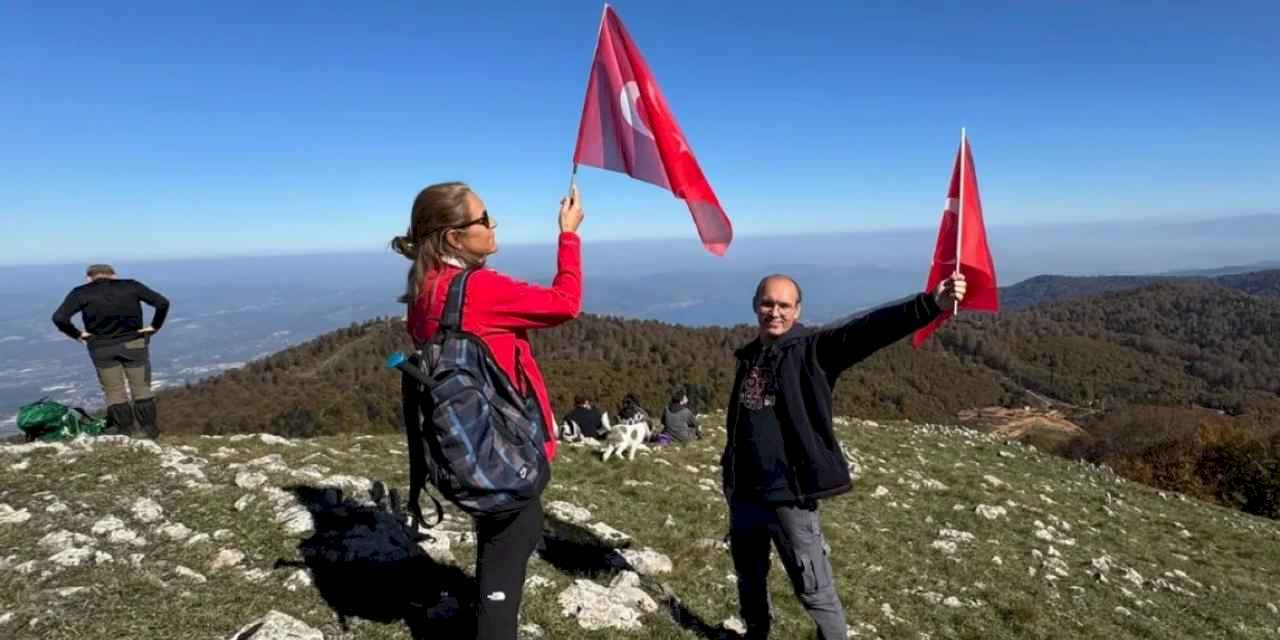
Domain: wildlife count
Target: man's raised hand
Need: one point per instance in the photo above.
(950, 291)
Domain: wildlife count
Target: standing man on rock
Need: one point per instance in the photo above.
(782, 455)
(118, 341)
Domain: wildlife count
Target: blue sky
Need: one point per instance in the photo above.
(148, 130)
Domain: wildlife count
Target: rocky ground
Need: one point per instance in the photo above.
(949, 533)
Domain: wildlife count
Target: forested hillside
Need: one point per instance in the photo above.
(1158, 376)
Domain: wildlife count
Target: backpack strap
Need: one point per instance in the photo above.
(451, 319)
(415, 509)
(420, 468)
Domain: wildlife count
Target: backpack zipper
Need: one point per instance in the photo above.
(523, 389)
(520, 377)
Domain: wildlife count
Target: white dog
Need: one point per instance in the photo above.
(627, 437)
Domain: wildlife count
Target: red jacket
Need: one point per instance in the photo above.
(501, 310)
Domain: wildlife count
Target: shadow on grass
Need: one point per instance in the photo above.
(690, 621)
(366, 563)
(578, 552)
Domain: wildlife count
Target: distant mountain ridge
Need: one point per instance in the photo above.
(1265, 265)
(1048, 289)
(1045, 289)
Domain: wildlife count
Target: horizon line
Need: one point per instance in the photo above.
(283, 253)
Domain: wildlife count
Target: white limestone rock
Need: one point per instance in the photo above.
(126, 536)
(226, 558)
(250, 479)
(277, 626)
(991, 512)
(255, 575)
(296, 520)
(947, 547)
(147, 510)
(537, 583)
(567, 512)
(62, 540)
(299, 579)
(647, 562)
(271, 439)
(437, 546)
(175, 531)
(609, 535)
(273, 463)
(619, 606)
(107, 525)
(190, 574)
(72, 557)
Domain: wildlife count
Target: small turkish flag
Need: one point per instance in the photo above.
(627, 127)
(963, 215)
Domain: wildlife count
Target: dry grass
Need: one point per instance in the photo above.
(1205, 572)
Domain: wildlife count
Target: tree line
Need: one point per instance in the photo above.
(1112, 362)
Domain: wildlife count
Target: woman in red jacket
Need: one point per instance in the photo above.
(450, 230)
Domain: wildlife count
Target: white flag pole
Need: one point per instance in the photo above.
(964, 157)
(573, 175)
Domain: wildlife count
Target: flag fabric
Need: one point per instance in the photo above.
(627, 127)
(975, 256)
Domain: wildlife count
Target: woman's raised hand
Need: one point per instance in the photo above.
(571, 211)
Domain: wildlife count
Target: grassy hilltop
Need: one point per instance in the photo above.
(948, 534)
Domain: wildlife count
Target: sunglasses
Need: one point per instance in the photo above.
(483, 219)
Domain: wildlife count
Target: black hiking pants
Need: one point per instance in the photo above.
(503, 547)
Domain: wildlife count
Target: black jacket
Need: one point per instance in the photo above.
(588, 421)
(806, 367)
(111, 310)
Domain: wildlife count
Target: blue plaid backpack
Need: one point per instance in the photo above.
(471, 434)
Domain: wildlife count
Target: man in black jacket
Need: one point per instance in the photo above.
(118, 341)
(586, 417)
(782, 455)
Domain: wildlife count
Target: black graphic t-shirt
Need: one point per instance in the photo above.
(760, 464)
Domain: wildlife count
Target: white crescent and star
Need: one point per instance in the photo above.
(629, 102)
(631, 109)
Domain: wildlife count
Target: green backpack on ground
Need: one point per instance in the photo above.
(47, 420)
